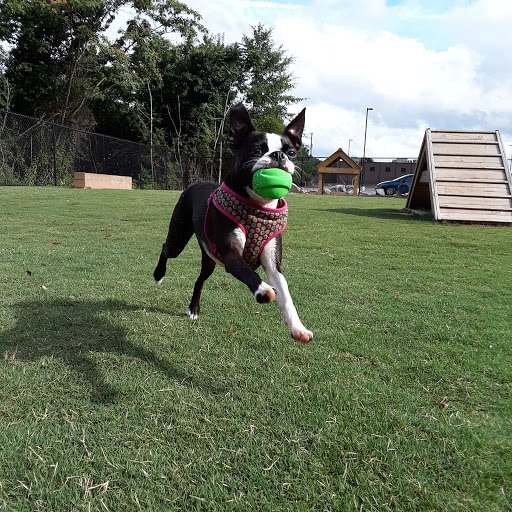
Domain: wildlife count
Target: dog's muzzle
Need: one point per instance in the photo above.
(279, 157)
(279, 160)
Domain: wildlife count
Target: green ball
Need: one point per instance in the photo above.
(271, 183)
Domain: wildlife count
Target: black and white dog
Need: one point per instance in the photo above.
(235, 226)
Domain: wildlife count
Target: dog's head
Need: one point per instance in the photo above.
(258, 150)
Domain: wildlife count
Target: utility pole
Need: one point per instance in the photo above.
(364, 149)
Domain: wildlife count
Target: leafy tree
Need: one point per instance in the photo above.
(199, 86)
(188, 88)
(5, 88)
(56, 62)
(133, 75)
(267, 79)
(52, 61)
(306, 166)
(140, 86)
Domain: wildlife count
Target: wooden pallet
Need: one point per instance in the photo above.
(462, 176)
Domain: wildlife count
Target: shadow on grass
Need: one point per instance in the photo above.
(380, 213)
(75, 332)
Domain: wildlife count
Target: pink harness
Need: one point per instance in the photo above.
(259, 224)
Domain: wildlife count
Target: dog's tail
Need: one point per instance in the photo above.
(181, 229)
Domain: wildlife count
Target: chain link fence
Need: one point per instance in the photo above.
(38, 152)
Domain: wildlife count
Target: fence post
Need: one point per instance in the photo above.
(166, 169)
(54, 156)
(140, 165)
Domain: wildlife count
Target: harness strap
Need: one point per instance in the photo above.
(258, 223)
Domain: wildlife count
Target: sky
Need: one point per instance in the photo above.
(439, 64)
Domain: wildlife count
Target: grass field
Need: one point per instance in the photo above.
(112, 399)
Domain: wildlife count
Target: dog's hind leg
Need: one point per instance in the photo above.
(181, 230)
(207, 268)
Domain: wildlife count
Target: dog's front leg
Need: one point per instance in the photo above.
(230, 241)
(236, 266)
(271, 262)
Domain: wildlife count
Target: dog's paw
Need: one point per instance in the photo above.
(193, 313)
(159, 281)
(300, 333)
(265, 293)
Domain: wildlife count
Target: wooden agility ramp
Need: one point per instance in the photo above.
(462, 176)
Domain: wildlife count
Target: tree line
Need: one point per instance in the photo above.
(164, 79)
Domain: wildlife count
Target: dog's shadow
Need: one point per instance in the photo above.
(380, 213)
(76, 332)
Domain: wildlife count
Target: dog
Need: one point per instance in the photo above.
(216, 215)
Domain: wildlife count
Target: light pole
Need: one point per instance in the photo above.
(349, 141)
(364, 148)
(302, 175)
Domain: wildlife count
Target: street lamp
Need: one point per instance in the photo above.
(364, 148)
(302, 176)
(349, 141)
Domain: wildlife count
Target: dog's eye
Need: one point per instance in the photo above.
(291, 153)
(256, 151)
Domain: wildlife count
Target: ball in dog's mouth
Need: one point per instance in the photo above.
(271, 183)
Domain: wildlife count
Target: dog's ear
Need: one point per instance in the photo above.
(240, 123)
(294, 130)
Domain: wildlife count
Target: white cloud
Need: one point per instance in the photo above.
(403, 81)
(444, 65)
(334, 127)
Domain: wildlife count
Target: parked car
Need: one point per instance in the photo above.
(391, 186)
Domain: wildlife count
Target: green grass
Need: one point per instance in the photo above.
(112, 399)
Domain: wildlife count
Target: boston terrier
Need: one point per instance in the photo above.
(236, 227)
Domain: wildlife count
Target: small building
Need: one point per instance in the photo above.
(341, 165)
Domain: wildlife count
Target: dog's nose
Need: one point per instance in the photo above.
(278, 155)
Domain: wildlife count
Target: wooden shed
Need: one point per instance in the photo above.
(338, 163)
(462, 176)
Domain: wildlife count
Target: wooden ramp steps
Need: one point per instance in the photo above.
(462, 176)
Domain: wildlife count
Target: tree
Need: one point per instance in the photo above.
(56, 63)
(199, 86)
(306, 166)
(188, 88)
(140, 86)
(267, 80)
(5, 88)
(52, 62)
